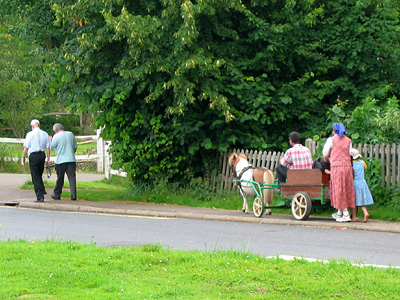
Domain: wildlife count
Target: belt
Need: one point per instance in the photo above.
(37, 152)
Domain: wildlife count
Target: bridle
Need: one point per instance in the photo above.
(233, 168)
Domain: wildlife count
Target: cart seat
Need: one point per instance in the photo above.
(312, 181)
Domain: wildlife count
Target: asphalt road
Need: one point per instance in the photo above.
(378, 248)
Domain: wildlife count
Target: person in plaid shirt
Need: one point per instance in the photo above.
(297, 157)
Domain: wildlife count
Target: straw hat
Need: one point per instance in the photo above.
(355, 154)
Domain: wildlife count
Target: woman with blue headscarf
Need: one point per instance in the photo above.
(337, 151)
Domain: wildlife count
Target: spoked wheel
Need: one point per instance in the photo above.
(301, 206)
(258, 206)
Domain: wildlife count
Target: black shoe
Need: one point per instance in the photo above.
(55, 197)
(39, 200)
(73, 198)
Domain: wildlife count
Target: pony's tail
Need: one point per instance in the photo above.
(268, 178)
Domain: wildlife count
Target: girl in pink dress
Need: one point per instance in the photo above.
(337, 151)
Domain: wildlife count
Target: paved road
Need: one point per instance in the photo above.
(263, 235)
(374, 248)
(10, 193)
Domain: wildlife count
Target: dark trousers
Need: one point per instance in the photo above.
(281, 173)
(70, 169)
(36, 165)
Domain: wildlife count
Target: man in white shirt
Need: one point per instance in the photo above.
(36, 142)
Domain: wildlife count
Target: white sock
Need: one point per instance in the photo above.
(339, 212)
(346, 213)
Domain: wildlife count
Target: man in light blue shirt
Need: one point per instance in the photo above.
(64, 143)
(36, 142)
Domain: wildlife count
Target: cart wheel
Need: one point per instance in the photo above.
(301, 206)
(258, 206)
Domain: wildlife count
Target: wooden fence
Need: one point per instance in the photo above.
(102, 157)
(389, 156)
(90, 157)
(266, 159)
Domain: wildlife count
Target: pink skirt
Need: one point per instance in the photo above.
(342, 187)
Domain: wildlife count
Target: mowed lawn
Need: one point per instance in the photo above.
(68, 270)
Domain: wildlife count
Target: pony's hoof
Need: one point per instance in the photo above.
(268, 212)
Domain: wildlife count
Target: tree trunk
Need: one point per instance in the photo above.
(87, 123)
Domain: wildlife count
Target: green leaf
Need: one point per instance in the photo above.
(286, 99)
(206, 143)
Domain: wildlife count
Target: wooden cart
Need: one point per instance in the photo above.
(304, 190)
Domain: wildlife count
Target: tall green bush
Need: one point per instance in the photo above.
(176, 82)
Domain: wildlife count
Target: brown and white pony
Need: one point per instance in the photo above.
(242, 170)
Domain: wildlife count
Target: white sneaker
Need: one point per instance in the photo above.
(344, 219)
(336, 216)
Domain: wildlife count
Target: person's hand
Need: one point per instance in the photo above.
(23, 160)
(48, 162)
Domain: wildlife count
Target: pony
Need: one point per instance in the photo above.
(242, 170)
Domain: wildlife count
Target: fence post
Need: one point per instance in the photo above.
(107, 161)
(312, 145)
(100, 152)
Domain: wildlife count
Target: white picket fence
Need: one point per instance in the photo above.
(102, 158)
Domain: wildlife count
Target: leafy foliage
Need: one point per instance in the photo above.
(384, 196)
(372, 122)
(18, 83)
(176, 82)
(373, 178)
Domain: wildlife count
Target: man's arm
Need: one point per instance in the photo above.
(48, 156)
(326, 151)
(286, 160)
(24, 155)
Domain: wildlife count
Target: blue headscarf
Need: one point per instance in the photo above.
(340, 129)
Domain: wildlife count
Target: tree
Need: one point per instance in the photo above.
(19, 101)
(176, 82)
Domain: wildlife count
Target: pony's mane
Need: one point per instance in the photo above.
(243, 156)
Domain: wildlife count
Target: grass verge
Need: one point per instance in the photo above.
(68, 270)
(194, 195)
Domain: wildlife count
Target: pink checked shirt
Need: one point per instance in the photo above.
(297, 157)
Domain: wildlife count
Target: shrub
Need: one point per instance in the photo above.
(380, 192)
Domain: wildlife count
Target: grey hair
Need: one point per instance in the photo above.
(35, 122)
(57, 127)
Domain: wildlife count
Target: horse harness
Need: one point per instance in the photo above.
(241, 174)
(249, 167)
(243, 171)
